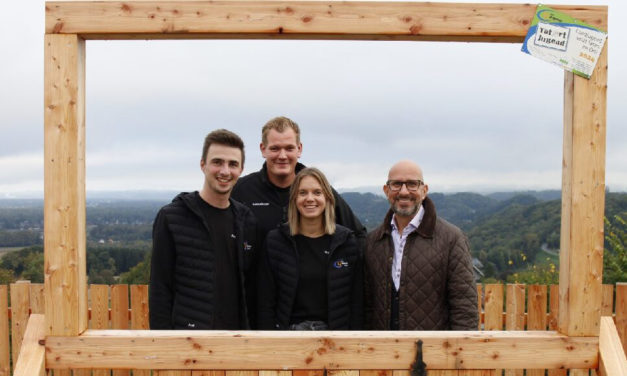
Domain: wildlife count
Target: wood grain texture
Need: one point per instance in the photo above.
(99, 295)
(536, 315)
(37, 304)
(31, 359)
(64, 185)
(607, 300)
(621, 312)
(583, 201)
(318, 350)
(5, 347)
(554, 300)
(515, 315)
(612, 359)
(493, 307)
(20, 306)
(139, 317)
(302, 19)
(119, 316)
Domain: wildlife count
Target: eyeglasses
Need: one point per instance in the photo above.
(397, 185)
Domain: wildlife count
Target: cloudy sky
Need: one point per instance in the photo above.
(478, 117)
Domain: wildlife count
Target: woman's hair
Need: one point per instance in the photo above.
(293, 216)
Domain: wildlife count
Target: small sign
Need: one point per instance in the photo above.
(562, 40)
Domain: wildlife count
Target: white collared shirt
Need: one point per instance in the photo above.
(399, 243)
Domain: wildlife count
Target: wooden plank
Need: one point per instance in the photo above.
(302, 19)
(612, 359)
(31, 359)
(37, 298)
(139, 316)
(621, 312)
(20, 306)
(343, 373)
(515, 315)
(289, 373)
(243, 373)
(478, 372)
(607, 300)
(320, 372)
(480, 305)
(583, 201)
(493, 307)
(119, 315)
(208, 373)
(173, 373)
(64, 185)
(552, 321)
(5, 348)
(373, 372)
(536, 315)
(99, 315)
(237, 350)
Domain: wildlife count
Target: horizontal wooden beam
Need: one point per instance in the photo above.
(143, 349)
(301, 20)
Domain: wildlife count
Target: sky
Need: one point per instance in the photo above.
(477, 117)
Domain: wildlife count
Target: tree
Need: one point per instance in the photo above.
(139, 274)
(615, 254)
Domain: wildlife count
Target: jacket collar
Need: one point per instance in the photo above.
(264, 173)
(338, 238)
(426, 226)
(190, 201)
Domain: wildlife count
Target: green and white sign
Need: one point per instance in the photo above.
(562, 40)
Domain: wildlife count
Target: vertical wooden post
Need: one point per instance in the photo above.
(583, 201)
(64, 185)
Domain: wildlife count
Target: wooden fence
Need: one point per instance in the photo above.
(502, 307)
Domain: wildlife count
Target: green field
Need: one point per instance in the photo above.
(5, 250)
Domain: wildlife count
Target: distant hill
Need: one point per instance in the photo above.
(507, 232)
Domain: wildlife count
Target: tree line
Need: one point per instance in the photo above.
(513, 237)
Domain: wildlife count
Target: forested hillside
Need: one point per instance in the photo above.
(513, 237)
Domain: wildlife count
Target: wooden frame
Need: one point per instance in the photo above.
(69, 24)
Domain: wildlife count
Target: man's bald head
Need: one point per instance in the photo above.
(405, 168)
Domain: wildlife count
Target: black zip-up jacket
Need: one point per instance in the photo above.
(182, 277)
(278, 280)
(269, 203)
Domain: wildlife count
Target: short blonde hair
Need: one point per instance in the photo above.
(293, 216)
(279, 124)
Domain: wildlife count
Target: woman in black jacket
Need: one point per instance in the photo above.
(310, 275)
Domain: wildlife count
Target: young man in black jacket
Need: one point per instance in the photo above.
(202, 270)
(266, 192)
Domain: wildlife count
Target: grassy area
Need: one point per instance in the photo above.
(5, 250)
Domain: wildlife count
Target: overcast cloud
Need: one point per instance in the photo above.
(479, 117)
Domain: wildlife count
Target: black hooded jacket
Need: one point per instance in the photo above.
(278, 280)
(269, 203)
(182, 278)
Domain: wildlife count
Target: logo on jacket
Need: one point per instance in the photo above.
(191, 325)
(260, 204)
(338, 264)
(247, 247)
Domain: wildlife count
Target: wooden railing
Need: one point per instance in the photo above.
(502, 307)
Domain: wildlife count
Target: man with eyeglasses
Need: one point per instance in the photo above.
(418, 269)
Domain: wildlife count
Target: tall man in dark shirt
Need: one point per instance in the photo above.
(266, 192)
(202, 269)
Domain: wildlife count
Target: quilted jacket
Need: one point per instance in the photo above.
(437, 286)
(182, 285)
